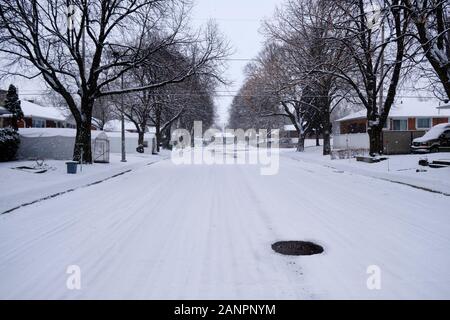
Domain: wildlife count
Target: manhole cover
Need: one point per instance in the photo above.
(297, 248)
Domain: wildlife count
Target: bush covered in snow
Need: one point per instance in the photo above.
(9, 144)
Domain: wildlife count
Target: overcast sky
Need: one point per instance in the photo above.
(238, 20)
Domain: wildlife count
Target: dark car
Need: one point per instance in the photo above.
(435, 140)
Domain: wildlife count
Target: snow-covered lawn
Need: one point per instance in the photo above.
(399, 168)
(199, 231)
(18, 187)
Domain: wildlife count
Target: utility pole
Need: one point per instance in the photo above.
(124, 157)
(84, 38)
(381, 98)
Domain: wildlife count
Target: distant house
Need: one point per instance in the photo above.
(37, 116)
(411, 115)
(289, 136)
(407, 120)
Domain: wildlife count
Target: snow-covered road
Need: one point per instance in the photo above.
(199, 231)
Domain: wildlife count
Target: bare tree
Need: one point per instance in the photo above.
(301, 28)
(103, 111)
(269, 93)
(432, 21)
(256, 99)
(163, 106)
(377, 50)
(81, 60)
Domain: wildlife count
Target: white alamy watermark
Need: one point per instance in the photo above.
(73, 281)
(228, 147)
(374, 280)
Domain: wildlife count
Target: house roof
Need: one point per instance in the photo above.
(116, 126)
(31, 109)
(289, 127)
(408, 107)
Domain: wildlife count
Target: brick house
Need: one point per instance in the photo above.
(406, 116)
(407, 120)
(37, 116)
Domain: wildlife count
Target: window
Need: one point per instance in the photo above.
(400, 125)
(423, 123)
(38, 123)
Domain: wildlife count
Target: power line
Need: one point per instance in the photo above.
(232, 92)
(230, 95)
(237, 59)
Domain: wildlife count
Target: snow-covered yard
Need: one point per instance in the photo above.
(205, 231)
(398, 168)
(18, 186)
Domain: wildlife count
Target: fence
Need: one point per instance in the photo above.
(399, 142)
(351, 141)
(57, 144)
(394, 142)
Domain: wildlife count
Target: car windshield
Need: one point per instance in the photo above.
(434, 132)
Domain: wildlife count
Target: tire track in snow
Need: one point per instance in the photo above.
(205, 232)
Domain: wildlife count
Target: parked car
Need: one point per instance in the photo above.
(435, 140)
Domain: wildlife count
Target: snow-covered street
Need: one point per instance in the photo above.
(205, 231)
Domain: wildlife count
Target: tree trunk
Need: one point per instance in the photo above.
(301, 143)
(326, 142)
(82, 148)
(326, 133)
(376, 140)
(166, 142)
(158, 133)
(158, 136)
(141, 135)
(317, 138)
